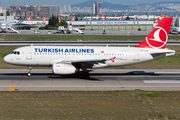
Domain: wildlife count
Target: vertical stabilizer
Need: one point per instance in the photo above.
(158, 36)
(45, 19)
(29, 19)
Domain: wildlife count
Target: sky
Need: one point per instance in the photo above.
(7, 3)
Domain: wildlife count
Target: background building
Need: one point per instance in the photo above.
(25, 11)
(65, 8)
(69, 8)
(49, 10)
(116, 25)
(95, 8)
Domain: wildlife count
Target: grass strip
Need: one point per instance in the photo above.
(75, 37)
(115, 105)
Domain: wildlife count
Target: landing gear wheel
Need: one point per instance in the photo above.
(85, 74)
(29, 73)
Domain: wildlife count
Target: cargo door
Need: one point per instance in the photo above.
(136, 55)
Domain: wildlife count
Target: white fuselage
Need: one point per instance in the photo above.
(33, 22)
(49, 55)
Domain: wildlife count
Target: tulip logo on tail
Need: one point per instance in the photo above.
(157, 39)
(158, 36)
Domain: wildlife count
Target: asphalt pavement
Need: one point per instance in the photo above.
(100, 80)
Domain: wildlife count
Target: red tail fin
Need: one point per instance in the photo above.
(59, 18)
(156, 21)
(29, 19)
(73, 19)
(45, 19)
(158, 36)
(91, 18)
(104, 18)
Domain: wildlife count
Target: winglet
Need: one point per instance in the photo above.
(158, 36)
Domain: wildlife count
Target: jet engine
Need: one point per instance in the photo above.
(63, 69)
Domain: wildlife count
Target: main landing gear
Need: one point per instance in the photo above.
(29, 72)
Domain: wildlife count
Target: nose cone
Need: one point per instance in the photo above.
(6, 59)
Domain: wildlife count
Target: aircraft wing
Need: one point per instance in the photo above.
(83, 63)
(93, 61)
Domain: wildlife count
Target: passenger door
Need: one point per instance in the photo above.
(28, 54)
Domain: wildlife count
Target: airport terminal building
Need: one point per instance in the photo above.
(116, 25)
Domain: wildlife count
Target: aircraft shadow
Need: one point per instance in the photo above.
(93, 76)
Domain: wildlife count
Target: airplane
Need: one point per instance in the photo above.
(123, 17)
(137, 17)
(156, 22)
(29, 22)
(66, 60)
(4, 27)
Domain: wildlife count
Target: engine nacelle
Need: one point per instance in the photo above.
(63, 69)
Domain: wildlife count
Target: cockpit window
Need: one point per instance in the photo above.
(15, 52)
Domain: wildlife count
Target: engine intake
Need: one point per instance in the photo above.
(63, 69)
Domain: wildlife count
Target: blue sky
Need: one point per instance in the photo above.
(7, 3)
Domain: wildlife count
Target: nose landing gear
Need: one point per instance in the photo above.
(29, 72)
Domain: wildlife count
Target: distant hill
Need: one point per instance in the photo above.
(117, 6)
(104, 5)
(166, 2)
